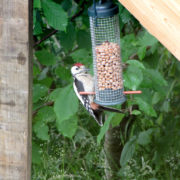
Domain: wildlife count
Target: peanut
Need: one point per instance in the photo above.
(108, 64)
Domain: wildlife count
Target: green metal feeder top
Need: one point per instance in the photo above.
(103, 9)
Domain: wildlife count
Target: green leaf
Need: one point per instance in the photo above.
(37, 105)
(36, 70)
(45, 57)
(84, 39)
(82, 55)
(146, 95)
(66, 4)
(55, 15)
(37, 4)
(136, 112)
(154, 80)
(46, 114)
(34, 17)
(125, 16)
(43, 74)
(132, 77)
(156, 98)
(63, 72)
(146, 107)
(156, 77)
(66, 104)
(81, 135)
(141, 52)
(147, 40)
(54, 94)
(67, 38)
(160, 119)
(144, 137)
(128, 46)
(67, 127)
(128, 151)
(39, 91)
(46, 81)
(136, 63)
(36, 155)
(116, 119)
(104, 128)
(41, 130)
(37, 29)
(166, 106)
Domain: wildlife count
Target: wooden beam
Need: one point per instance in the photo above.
(161, 18)
(15, 89)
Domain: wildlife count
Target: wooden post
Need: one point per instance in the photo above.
(161, 18)
(15, 89)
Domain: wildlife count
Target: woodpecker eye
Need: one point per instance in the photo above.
(77, 68)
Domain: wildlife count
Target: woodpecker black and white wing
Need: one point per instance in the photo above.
(78, 87)
(86, 100)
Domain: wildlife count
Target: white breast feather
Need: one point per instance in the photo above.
(88, 80)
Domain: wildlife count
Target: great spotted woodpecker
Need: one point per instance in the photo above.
(84, 82)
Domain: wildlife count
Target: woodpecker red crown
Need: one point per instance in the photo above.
(78, 64)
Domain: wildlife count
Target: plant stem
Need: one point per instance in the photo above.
(113, 146)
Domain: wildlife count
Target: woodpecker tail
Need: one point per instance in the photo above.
(96, 111)
(98, 116)
(111, 109)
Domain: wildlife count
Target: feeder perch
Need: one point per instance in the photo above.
(125, 92)
(105, 37)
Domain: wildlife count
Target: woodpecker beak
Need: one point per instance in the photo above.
(85, 70)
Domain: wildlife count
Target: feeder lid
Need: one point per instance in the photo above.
(103, 9)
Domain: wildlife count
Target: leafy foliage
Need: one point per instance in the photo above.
(128, 151)
(67, 143)
(65, 99)
(55, 15)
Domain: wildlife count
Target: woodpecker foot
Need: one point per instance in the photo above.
(94, 106)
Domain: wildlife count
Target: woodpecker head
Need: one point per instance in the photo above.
(78, 68)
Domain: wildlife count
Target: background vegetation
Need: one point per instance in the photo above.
(67, 142)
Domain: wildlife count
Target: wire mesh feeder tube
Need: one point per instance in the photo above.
(105, 36)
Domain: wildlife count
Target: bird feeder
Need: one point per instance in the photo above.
(105, 37)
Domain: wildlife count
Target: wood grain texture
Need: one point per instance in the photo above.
(15, 89)
(161, 18)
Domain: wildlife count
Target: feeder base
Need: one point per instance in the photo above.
(114, 97)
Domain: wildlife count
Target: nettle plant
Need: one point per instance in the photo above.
(62, 38)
